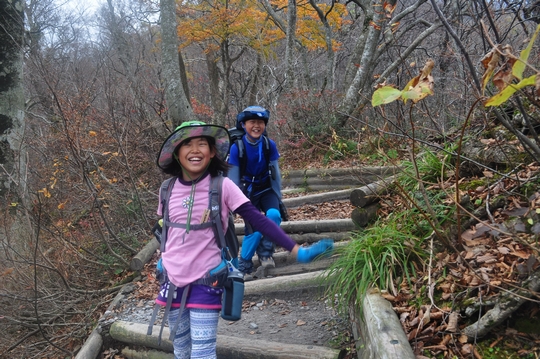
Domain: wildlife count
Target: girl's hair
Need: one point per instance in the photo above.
(216, 165)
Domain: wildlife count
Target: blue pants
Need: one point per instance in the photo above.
(264, 201)
(251, 243)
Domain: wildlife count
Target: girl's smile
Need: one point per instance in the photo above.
(194, 156)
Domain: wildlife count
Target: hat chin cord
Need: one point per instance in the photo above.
(192, 192)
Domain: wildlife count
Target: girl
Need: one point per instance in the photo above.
(194, 153)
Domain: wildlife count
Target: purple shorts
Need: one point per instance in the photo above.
(199, 296)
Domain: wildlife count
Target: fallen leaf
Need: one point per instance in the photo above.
(300, 322)
(452, 326)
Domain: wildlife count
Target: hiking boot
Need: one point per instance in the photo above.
(267, 262)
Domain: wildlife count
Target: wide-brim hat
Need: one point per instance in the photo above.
(189, 130)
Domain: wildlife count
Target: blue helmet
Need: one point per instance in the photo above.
(252, 113)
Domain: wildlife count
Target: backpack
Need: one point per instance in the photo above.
(227, 242)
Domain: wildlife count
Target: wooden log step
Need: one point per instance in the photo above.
(296, 282)
(227, 347)
(360, 197)
(302, 238)
(317, 198)
(331, 225)
(379, 332)
(338, 172)
(366, 215)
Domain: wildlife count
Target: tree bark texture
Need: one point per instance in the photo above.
(92, 346)
(379, 331)
(140, 259)
(179, 107)
(289, 49)
(12, 152)
(370, 193)
(362, 216)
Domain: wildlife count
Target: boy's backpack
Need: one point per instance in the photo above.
(227, 242)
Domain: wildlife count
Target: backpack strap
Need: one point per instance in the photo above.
(165, 191)
(215, 210)
(174, 328)
(165, 194)
(242, 156)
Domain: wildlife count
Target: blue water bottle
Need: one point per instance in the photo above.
(233, 294)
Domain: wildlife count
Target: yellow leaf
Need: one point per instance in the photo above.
(519, 66)
(45, 192)
(385, 95)
(92, 133)
(505, 94)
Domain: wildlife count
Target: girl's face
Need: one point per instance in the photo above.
(254, 128)
(195, 155)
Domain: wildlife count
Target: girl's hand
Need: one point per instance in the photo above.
(324, 247)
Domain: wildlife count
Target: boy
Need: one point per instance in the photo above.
(260, 181)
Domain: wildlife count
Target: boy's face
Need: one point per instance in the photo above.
(254, 128)
(195, 155)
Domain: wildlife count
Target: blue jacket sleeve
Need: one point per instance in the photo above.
(276, 183)
(267, 227)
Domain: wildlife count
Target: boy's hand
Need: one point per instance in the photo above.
(323, 247)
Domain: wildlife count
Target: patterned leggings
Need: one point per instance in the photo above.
(197, 333)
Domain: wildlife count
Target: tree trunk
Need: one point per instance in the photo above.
(179, 107)
(13, 156)
(350, 101)
(289, 50)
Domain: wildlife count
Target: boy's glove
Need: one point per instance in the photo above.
(322, 247)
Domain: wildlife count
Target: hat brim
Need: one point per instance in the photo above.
(219, 133)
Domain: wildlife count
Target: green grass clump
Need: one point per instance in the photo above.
(376, 256)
